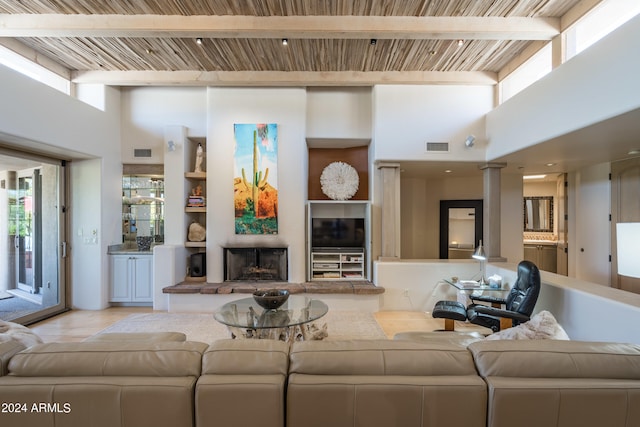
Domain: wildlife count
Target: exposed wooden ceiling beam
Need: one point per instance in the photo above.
(320, 27)
(279, 78)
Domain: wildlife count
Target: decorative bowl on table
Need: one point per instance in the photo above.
(271, 299)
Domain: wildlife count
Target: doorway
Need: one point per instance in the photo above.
(32, 220)
(625, 207)
(460, 228)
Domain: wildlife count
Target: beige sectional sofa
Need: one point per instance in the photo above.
(438, 382)
(383, 383)
(102, 384)
(560, 383)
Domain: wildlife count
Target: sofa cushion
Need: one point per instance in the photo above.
(380, 357)
(556, 359)
(246, 357)
(166, 359)
(139, 337)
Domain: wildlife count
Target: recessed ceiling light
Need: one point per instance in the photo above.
(534, 176)
(285, 42)
(448, 171)
(433, 52)
(199, 40)
(551, 164)
(460, 42)
(373, 42)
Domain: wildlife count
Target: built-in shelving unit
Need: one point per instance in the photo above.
(329, 264)
(195, 210)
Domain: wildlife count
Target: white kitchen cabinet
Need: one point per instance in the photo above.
(131, 278)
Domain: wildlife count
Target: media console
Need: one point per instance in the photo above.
(337, 263)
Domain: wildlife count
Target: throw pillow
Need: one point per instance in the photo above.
(10, 331)
(541, 326)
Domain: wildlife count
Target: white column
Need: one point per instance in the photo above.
(390, 218)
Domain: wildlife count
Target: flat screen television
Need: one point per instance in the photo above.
(337, 232)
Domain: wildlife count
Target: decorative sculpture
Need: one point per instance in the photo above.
(197, 232)
(199, 158)
(339, 181)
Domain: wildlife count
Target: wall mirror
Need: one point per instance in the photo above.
(538, 214)
(460, 227)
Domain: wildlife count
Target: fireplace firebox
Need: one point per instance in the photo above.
(250, 264)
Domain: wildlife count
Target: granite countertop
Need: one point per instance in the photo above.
(127, 249)
(540, 242)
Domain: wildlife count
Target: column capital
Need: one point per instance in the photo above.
(492, 165)
(393, 165)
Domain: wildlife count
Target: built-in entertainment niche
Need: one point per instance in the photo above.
(338, 240)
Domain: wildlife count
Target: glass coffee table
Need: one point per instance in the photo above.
(292, 321)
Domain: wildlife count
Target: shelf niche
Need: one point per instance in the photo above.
(355, 259)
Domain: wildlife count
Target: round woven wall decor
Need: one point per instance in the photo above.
(339, 181)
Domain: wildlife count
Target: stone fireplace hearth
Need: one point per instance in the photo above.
(255, 264)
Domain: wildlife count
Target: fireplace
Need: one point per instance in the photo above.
(251, 264)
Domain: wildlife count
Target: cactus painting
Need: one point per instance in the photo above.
(255, 178)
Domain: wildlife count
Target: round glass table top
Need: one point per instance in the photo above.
(246, 313)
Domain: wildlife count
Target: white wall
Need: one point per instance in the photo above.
(406, 117)
(598, 84)
(147, 110)
(37, 116)
(287, 108)
(416, 285)
(339, 112)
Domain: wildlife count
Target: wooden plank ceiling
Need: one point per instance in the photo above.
(147, 42)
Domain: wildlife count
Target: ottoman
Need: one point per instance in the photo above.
(450, 311)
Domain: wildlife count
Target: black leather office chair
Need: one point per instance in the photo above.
(518, 305)
(504, 312)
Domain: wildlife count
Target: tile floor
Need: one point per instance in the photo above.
(76, 325)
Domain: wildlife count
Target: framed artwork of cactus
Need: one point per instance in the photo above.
(255, 181)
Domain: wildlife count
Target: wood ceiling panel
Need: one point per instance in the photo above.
(321, 50)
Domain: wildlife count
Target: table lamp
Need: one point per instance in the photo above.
(482, 257)
(628, 237)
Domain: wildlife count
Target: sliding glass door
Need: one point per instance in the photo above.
(32, 222)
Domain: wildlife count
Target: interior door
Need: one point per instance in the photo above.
(625, 207)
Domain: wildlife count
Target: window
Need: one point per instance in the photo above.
(534, 69)
(31, 69)
(601, 21)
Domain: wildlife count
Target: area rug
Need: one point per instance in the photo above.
(341, 325)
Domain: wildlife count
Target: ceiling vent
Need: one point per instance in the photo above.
(437, 147)
(142, 152)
